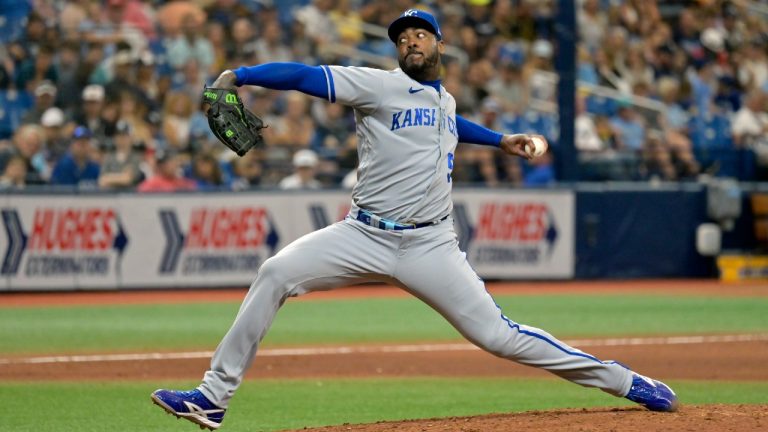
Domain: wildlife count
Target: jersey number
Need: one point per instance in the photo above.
(450, 166)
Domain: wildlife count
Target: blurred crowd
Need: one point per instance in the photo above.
(106, 93)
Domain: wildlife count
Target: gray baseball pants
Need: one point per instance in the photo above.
(427, 263)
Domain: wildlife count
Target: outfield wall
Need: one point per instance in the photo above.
(124, 241)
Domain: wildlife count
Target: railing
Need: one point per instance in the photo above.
(650, 109)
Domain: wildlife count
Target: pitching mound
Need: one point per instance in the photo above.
(700, 418)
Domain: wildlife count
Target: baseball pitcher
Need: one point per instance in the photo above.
(399, 229)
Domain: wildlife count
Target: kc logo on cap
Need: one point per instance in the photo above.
(414, 18)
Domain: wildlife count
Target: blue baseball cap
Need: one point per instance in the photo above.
(414, 18)
(81, 132)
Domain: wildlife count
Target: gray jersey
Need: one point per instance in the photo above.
(407, 136)
(406, 140)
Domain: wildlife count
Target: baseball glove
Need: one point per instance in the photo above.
(235, 126)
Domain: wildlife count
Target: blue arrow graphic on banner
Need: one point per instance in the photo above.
(174, 241)
(273, 238)
(121, 240)
(464, 228)
(319, 218)
(17, 242)
(551, 234)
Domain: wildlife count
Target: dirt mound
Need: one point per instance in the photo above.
(700, 418)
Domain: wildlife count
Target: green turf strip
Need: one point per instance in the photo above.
(201, 326)
(275, 405)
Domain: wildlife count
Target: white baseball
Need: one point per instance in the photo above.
(538, 148)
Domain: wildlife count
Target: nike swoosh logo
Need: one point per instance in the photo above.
(412, 90)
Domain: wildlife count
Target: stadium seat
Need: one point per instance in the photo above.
(13, 106)
(13, 19)
(600, 105)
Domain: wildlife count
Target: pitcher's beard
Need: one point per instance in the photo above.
(420, 72)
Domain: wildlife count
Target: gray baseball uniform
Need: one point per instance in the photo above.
(398, 231)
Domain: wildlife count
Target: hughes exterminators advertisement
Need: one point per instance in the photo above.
(525, 234)
(60, 243)
(136, 241)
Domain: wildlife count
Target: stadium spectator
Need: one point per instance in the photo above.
(90, 113)
(750, 123)
(629, 127)
(206, 172)
(347, 22)
(75, 168)
(225, 12)
(244, 172)
(72, 14)
(121, 167)
(15, 174)
(753, 66)
(477, 164)
(318, 25)
(187, 79)
(703, 81)
(334, 128)
(217, 36)
(541, 171)
(599, 147)
(111, 25)
(37, 69)
(592, 23)
(304, 163)
(538, 70)
(295, 127)
(509, 87)
(131, 110)
(167, 176)
(25, 50)
(270, 47)
(171, 15)
(28, 143)
(675, 129)
(57, 136)
(45, 95)
(177, 114)
(123, 76)
(67, 64)
(190, 44)
(242, 50)
(148, 83)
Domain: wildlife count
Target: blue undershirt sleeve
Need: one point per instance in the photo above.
(312, 80)
(473, 133)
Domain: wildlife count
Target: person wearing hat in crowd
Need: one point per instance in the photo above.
(45, 96)
(76, 168)
(121, 167)
(305, 165)
(168, 176)
(57, 134)
(90, 113)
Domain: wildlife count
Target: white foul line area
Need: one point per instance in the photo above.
(383, 349)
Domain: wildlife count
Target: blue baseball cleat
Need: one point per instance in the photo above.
(191, 405)
(652, 394)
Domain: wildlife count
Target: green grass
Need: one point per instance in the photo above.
(201, 326)
(274, 404)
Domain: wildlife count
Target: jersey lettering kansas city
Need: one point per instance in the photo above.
(421, 117)
(406, 131)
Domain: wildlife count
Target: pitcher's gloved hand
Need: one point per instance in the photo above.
(235, 126)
